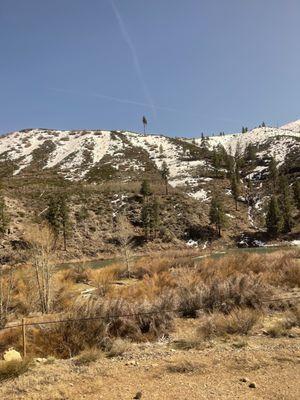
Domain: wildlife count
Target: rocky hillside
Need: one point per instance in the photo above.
(108, 167)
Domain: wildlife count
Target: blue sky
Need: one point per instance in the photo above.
(190, 66)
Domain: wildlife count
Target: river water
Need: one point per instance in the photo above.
(100, 263)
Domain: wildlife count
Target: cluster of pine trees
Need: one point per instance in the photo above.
(284, 199)
(150, 214)
(217, 214)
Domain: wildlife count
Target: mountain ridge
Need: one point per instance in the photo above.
(78, 151)
(100, 172)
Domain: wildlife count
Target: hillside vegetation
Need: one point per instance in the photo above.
(99, 175)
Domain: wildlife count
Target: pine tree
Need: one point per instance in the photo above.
(274, 219)
(238, 159)
(250, 152)
(217, 215)
(296, 189)
(155, 217)
(145, 123)
(125, 236)
(235, 189)
(286, 204)
(146, 219)
(249, 192)
(273, 172)
(161, 150)
(230, 165)
(216, 161)
(64, 214)
(165, 173)
(53, 217)
(145, 190)
(238, 151)
(250, 184)
(58, 217)
(4, 219)
(150, 218)
(203, 141)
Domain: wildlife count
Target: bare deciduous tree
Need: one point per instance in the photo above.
(125, 235)
(6, 286)
(41, 241)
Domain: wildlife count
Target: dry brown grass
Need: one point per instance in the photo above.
(239, 321)
(232, 288)
(76, 275)
(10, 338)
(103, 280)
(185, 367)
(117, 348)
(282, 326)
(13, 369)
(139, 321)
(278, 329)
(280, 268)
(294, 316)
(88, 356)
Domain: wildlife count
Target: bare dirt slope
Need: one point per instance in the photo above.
(158, 372)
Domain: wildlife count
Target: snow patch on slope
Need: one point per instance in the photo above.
(199, 195)
(160, 149)
(292, 126)
(258, 136)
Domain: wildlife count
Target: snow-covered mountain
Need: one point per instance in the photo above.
(87, 155)
(113, 163)
(292, 126)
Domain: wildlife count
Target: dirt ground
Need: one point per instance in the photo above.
(222, 369)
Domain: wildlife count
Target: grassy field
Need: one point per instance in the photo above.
(223, 294)
(164, 317)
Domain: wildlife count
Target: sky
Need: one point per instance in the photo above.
(189, 66)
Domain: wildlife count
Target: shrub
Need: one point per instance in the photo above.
(102, 279)
(240, 344)
(184, 367)
(236, 291)
(88, 356)
(12, 369)
(277, 329)
(239, 321)
(221, 295)
(294, 316)
(280, 268)
(187, 343)
(281, 327)
(119, 319)
(76, 275)
(118, 348)
(191, 299)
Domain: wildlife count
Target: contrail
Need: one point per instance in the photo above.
(138, 103)
(135, 58)
(112, 98)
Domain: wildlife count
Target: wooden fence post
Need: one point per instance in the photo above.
(24, 337)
